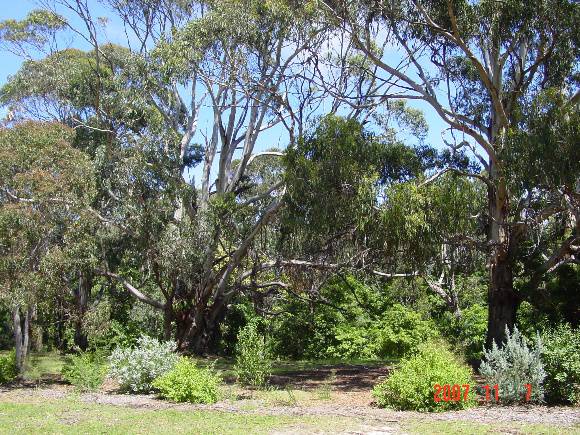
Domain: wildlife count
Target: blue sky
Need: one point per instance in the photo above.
(10, 64)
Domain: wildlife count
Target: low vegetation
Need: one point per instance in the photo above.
(253, 364)
(7, 367)
(411, 386)
(515, 368)
(136, 367)
(186, 382)
(561, 358)
(58, 416)
(86, 371)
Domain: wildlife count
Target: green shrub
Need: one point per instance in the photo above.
(411, 385)
(253, 363)
(7, 367)
(467, 332)
(86, 371)
(136, 367)
(512, 366)
(401, 331)
(353, 342)
(561, 358)
(188, 383)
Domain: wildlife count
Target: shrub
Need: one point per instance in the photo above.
(7, 367)
(561, 357)
(188, 383)
(512, 366)
(411, 385)
(401, 331)
(467, 332)
(253, 363)
(136, 367)
(86, 371)
(353, 342)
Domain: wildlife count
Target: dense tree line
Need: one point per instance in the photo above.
(249, 155)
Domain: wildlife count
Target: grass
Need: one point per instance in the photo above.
(69, 416)
(22, 413)
(468, 428)
(41, 364)
(45, 364)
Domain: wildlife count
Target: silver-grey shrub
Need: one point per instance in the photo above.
(135, 368)
(512, 366)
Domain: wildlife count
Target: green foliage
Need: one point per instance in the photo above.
(512, 366)
(411, 385)
(135, 368)
(544, 153)
(349, 320)
(37, 29)
(86, 371)
(47, 186)
(253, 364)
(351, 342)
(529, 320)
(332, 178)
(7, 367)
(186, 382)
(401, 331)
(561, 358)
(467, 333)
(339, 323)
(418, 218)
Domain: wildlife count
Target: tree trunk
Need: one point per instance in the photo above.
(35, 331)
(81, 295)
(197, 330)
(26, 332)
(167, 319)
(503, 300)
(21, 337)
(503, 303)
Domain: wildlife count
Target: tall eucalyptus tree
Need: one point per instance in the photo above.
(481, 66)
(194, 87)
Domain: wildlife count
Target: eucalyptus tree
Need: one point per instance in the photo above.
(46, 189)
(209, 91)
(358, 201)
(63, 87)
(482, 66)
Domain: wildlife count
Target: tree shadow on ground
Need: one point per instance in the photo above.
(339, 377)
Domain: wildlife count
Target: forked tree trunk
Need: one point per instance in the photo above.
(21, 337)
(197, 330)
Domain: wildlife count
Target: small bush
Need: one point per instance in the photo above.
(188, 383)
(512, 366)
(411, 386)
(561, 357)
(86, 371)
(136, 367)
(253, 363)
(7, 367)
(401, 331)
